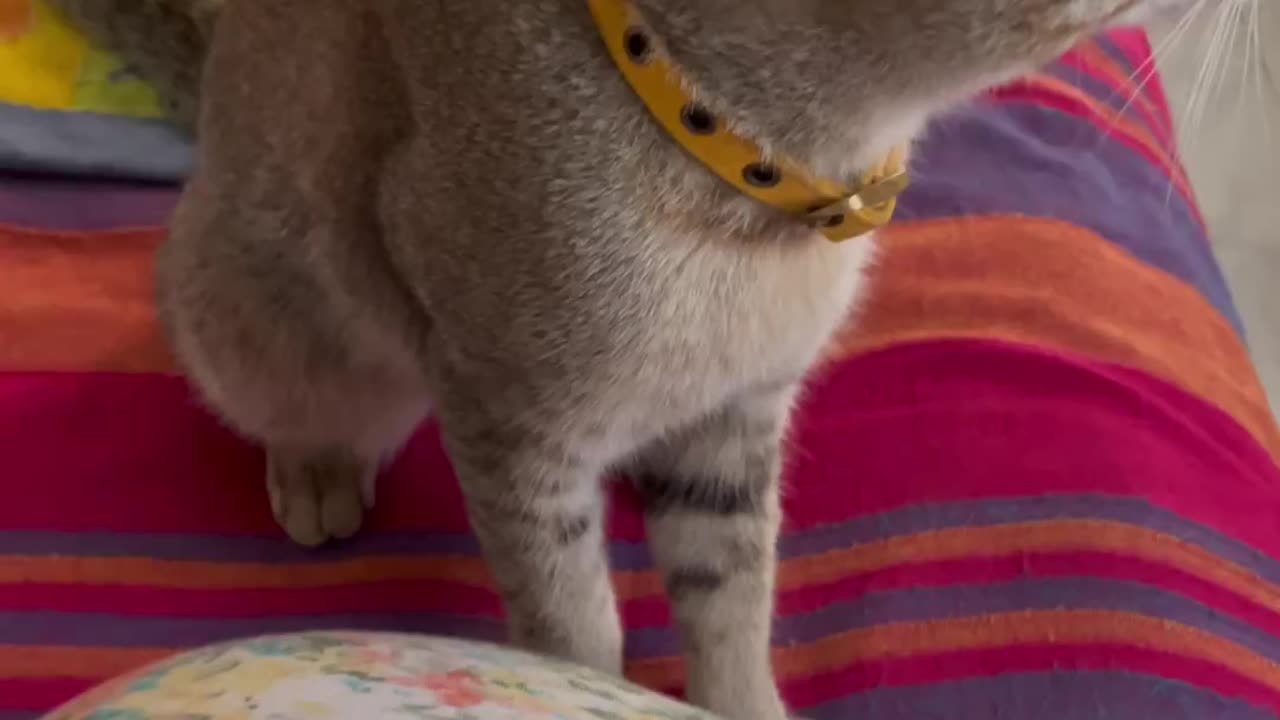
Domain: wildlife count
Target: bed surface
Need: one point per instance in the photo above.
(1036, 479)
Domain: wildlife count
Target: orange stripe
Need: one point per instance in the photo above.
(1050, 627)
(1055, 536)
(72, 302)
(76, 301)
(1113, 121)
(935, 546)
(1046, 283)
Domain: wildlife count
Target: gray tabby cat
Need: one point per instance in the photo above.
(461, 206)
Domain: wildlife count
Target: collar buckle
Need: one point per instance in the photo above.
(873, 195)
(869, 208)
(829, 207)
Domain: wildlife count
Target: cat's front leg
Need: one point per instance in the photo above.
(711, 494)
(536, 506)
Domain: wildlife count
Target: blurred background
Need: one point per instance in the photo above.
(1222, 69)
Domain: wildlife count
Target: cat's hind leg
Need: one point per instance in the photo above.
(289, 362)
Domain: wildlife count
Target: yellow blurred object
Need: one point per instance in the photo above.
(48, 65)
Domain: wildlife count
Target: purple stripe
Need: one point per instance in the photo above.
(1060, 695)
(224, 548)
(1017, 158)
(1081, 593)
(252, 549)
(82, 205)
(635, 556)
(871, 610)
(1005, 511)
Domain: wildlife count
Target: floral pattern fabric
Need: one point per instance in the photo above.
(349, 676)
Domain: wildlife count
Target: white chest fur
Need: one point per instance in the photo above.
(731, 318)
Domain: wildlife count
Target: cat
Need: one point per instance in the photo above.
(463, 208)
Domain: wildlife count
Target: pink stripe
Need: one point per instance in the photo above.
(970, 436)
(148, 460)
(809, 692)
(1155, 87)
(1136, 47)
(969, 419)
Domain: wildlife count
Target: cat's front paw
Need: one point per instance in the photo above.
(319, 497)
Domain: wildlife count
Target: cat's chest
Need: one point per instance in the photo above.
(739, 317)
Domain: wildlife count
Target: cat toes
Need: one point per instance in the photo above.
(321, 497)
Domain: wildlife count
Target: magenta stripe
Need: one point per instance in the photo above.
(994, 419)
(183, 443)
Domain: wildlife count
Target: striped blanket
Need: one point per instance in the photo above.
(1036, 479)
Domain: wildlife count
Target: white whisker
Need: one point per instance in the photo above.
(1260, 67)
(1150, 68)
(1202, 90)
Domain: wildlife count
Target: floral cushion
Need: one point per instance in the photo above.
(363, 676)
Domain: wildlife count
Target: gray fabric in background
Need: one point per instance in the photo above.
(91, 145)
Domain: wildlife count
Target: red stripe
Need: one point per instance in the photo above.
(40, 694)
(818, 690)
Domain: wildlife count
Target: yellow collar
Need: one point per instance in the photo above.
(834, 209)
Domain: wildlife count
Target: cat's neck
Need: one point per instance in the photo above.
(791, 79)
